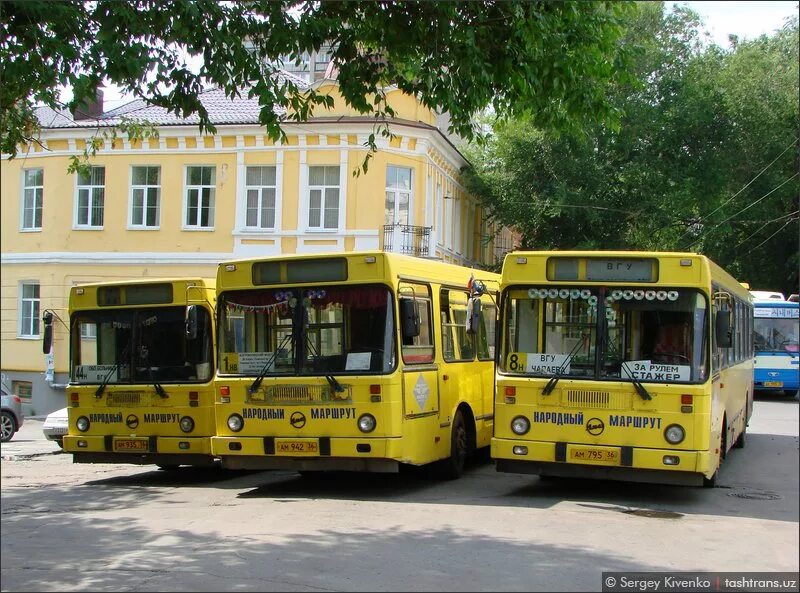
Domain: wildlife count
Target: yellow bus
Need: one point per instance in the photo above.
(622, 365)
(141, 386)
(358, 362)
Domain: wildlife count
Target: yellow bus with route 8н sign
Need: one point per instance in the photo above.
(141, 372)
(359, 362)
(621, 365)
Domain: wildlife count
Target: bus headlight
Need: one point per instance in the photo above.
(674, 434)
(367, 423)
(82, 423)
(520, 425)
(235, 422)
(187, 424)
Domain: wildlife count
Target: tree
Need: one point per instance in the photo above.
(705, 158)
(550, 60)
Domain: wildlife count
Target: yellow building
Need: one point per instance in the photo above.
(179, 204)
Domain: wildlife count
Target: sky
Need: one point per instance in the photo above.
(745, 18)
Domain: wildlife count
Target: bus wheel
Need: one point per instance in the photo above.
(453, 466)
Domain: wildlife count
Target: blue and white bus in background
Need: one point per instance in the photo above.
(775, 335)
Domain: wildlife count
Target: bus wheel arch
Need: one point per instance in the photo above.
(711, 482)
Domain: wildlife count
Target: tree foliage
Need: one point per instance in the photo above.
(705, 159)
(550, 60)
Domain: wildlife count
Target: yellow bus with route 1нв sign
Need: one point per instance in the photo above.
(141, 372)
(621, 365)
(359, 361)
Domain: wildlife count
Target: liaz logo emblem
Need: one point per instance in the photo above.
(132, 421)
(595, 426)
(297, 420)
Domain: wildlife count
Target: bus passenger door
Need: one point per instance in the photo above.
(420, 372)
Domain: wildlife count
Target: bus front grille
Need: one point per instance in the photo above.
(299, 394)
(602, 400)
(124, 399)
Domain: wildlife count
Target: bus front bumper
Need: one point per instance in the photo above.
(632, 464)
(139, 450)
(324, 454)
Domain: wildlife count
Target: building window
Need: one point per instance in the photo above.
(200, 193)
(32, 191)
(29, 310)
(89, 331)
(300, 65)
(260, 190)
(91, 196)
(398, 195)
(323, 202)
(145, 197)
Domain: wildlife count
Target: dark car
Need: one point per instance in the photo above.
(12, 415)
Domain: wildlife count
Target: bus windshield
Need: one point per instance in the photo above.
(775, 334)
(139, 346)
(307, 331)
(628, 334)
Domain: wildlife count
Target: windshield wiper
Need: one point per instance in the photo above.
(99, 393)
(159, 389)
(257, 383)
(335, 385)
(101, 388)
(551, 384)
(637, 385)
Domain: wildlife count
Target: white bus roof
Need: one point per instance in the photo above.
(766, 295)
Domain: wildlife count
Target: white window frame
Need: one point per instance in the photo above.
(143, 226)
(90, 189)
(397, 191)
(33, 329)
(213, 198)
(321, 228)
(260, 208)
(32, 202)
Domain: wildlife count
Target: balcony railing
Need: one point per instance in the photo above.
(410, 240)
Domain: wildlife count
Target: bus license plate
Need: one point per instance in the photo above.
(297, 447)
(773, 383)
(594, 455)
(127, 445)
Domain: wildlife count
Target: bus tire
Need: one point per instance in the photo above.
(453, 466)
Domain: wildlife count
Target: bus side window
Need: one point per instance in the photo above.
(419, 349)
(486, 331)
(458, 344)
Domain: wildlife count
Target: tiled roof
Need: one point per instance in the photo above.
(221, 110)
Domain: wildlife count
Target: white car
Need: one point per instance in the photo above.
(56, 425)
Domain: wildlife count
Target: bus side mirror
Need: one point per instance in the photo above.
(409, 318)
(191, 322)
(47, 338)
(722, 329)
